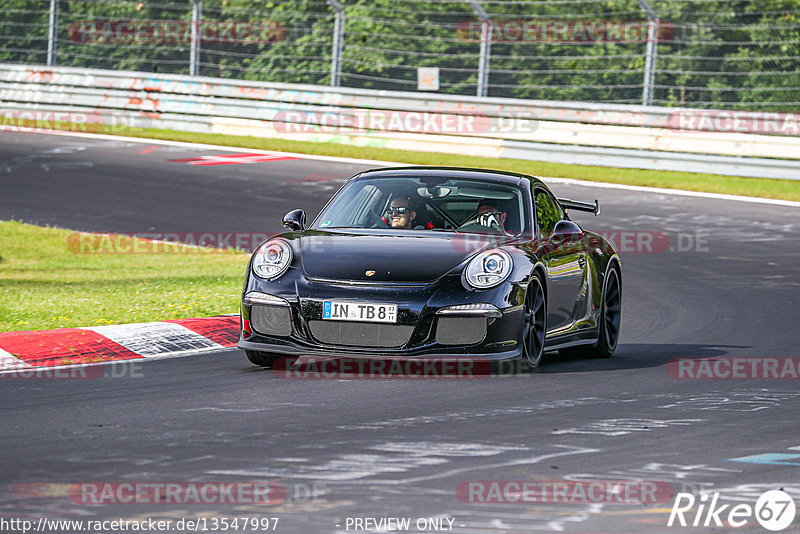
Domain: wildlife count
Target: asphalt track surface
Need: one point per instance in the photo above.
(400, 448)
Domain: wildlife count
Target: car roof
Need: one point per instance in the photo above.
(449, 172)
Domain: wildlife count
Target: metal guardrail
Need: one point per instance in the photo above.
(565, 132)
(619, 114)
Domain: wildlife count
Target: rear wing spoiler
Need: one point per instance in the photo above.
(591, 207)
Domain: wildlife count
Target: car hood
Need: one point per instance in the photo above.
(394, 257)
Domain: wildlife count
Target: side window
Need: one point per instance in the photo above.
(359, 208)
(548, 212)
(370, 204)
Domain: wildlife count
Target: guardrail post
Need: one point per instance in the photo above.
(194, 52)
(338, 42)
(650, 54)
(52, 34)
(486, 47)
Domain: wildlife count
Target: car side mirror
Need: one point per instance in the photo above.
(566, 228)
(565, 235)
(295, 221)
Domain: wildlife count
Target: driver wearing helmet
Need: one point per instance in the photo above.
(491, 215)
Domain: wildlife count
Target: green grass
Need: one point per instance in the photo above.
(713, 183)
(44, 283)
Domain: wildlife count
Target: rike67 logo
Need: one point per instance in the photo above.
(774, 510)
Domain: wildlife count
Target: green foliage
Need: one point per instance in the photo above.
(87, 36)
(743, 54)
(546, 213)
(23, 31)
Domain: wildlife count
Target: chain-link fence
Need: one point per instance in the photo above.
(693, 53)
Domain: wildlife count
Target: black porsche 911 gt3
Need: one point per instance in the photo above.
(434, 262)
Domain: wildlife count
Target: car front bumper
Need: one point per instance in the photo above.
(441, 319)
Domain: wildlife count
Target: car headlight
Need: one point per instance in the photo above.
(488, 268)
(272, 259)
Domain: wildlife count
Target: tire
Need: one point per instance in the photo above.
(534, 326)
(610, 318)
(262, 359)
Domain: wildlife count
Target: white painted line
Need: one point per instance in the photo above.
(794, 448)
(9, 362)
(156, 338)
(203, 146)
(572, 181)
(678, 192)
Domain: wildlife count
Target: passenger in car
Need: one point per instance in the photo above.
(491, 215)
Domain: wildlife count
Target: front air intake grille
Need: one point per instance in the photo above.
(271, 320)
(361, 334)
(460, 330)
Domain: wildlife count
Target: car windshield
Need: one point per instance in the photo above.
(427, 204)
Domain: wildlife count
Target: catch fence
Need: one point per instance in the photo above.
(687, 53)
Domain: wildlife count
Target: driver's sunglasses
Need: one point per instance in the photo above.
(396, 209)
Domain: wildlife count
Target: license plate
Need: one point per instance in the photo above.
(359, 311)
